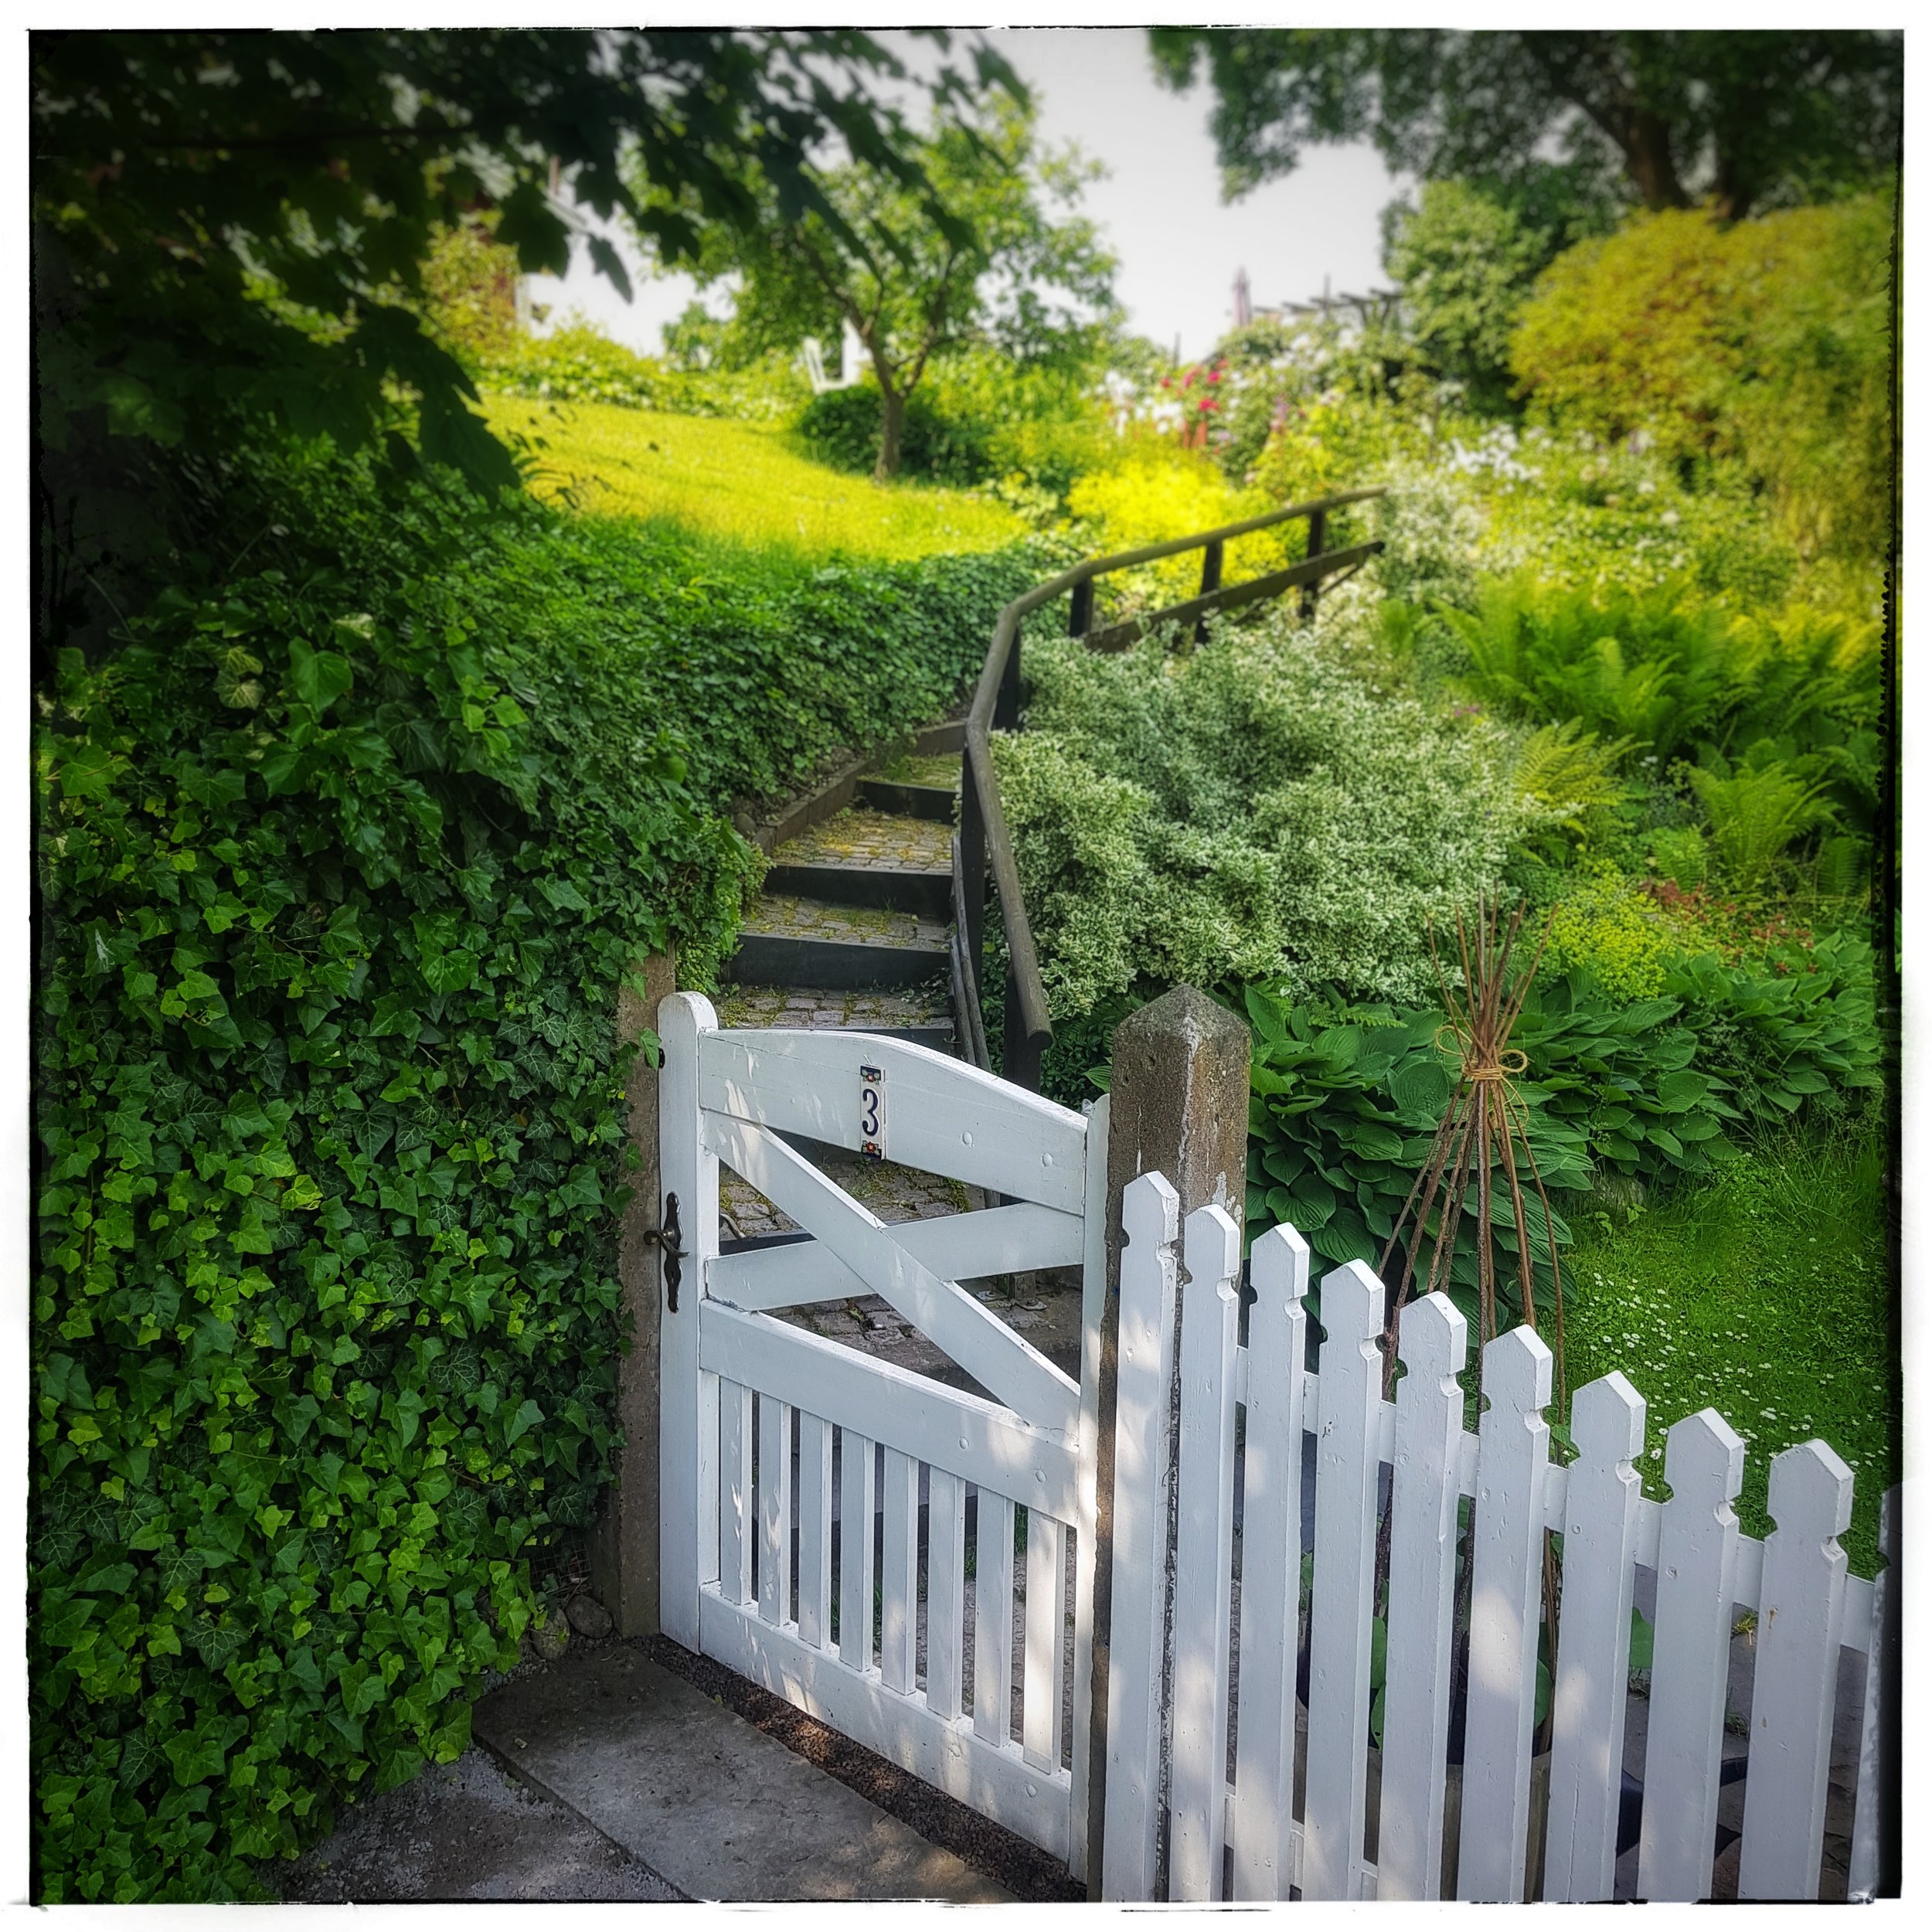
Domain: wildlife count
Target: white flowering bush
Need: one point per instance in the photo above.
(1253, 808)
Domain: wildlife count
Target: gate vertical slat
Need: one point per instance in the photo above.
(774, 1509)
(815, 1531)
(688, 1553)
(1593, 1641)
(1093, 1303)
(1204, 1556)
(993, 1619)
(858, 1485)
(899, 1582)
(1150, 1220)
(1696, 1566)
(1045, 1623)
(1271, 1567)
(735, 1540)
(1800, 1613)
(1434, 1344)
(1863, 1874)
(945, 1591)
(1347, 1467)
(1512, 1459)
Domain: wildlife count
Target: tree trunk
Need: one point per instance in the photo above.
(1647, 153)
(891, 426)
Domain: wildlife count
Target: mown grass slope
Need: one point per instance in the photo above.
(746, 481)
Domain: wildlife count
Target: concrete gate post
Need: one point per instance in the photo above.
(624, 1550)
(1179, 1107)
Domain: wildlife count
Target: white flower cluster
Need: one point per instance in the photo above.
(1492, 453)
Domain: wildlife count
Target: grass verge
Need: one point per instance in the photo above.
(1764, 1295)
(746, 481)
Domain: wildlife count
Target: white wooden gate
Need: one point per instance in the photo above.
(738, 1385)
(1168, 1746)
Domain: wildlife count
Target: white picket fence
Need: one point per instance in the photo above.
(1168, 1797)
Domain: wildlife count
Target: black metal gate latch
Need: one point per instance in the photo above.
(670, 1240)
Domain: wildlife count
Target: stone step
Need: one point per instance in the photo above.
(790, 940)
(920, 1014)
(907, 800)
(938, 770)
(865, 857)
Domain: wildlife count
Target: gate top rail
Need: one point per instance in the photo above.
(985, 841)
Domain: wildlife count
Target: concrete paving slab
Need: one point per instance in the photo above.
(714, 1807)
(463, 1832)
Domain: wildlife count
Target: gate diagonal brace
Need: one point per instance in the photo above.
(982, 1344)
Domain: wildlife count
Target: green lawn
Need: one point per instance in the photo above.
(742, 480)
(1764, 1295)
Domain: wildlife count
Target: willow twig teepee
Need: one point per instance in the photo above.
(1482, 1140)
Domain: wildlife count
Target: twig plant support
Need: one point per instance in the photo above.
(1484, 1126)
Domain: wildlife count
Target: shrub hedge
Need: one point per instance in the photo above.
(1248, 809)
(344, 854)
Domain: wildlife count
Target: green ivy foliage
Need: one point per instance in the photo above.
(345, 853)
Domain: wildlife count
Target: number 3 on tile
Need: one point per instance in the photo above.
(871, 1113)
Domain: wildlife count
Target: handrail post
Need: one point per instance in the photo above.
(1006, 706)
(1020, 1058)
(1318, 542)
(1079, 619)
(1210, 582)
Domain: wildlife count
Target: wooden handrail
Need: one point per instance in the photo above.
(985, 843)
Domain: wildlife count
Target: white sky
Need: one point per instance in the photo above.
(1161, 207)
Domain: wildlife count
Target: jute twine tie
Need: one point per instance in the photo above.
(1495, 1070)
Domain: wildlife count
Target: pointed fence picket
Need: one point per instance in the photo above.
(1242, 1414)
(1203, 1569)
(1422, 1581)
(1271, 1574)
(1512, 1451)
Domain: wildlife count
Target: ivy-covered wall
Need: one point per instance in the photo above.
(344, 852)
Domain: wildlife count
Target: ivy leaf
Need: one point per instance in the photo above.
(142, 1754)
(62, 1624)
(179, 1569)
(317, 677)
(197, 1757)
(217, 1644)
(527, 1417)
(88, 771)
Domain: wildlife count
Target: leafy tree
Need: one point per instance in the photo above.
(229, 227)
(1465, 255)
(1769, 343)
(983, 258)
(1744, 117)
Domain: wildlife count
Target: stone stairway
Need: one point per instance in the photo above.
(851, 931)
